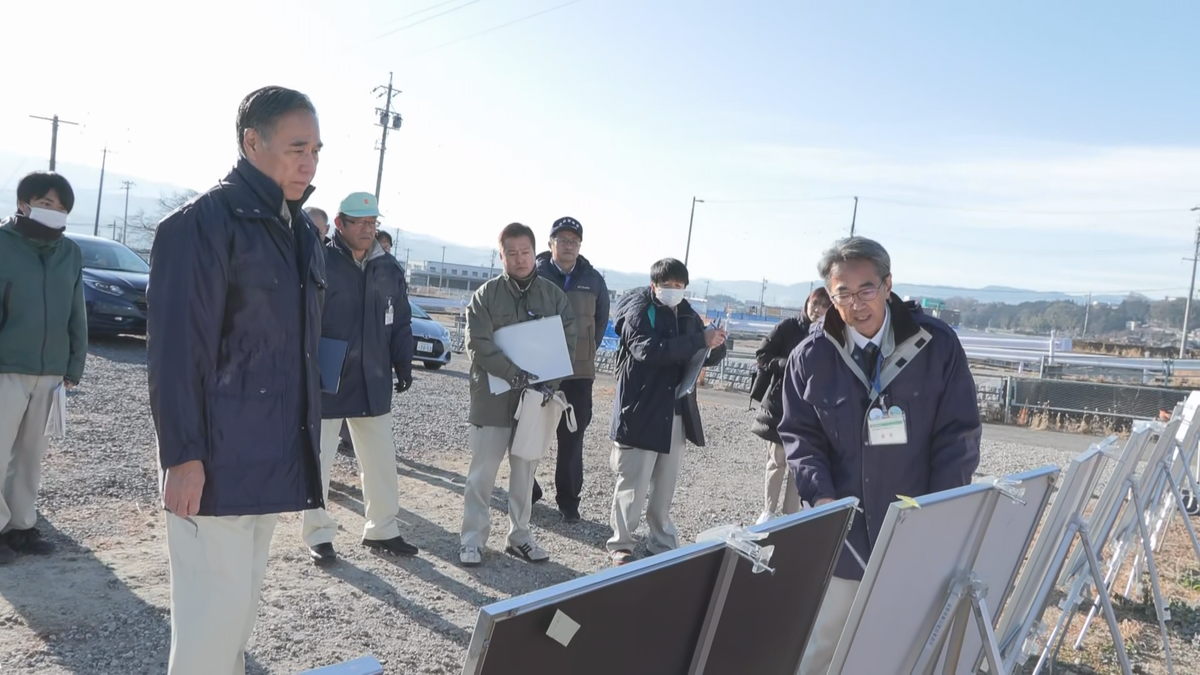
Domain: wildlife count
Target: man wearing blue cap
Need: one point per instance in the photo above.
(366, 308)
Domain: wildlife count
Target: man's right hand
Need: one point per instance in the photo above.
(714, 337)
(182, 488)
(521, 379)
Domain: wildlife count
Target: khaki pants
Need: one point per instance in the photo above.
(24, 409)
(217, 570)
(376, 453)
(640, 472)
(780, 479)
(488, 447)
(831, 621)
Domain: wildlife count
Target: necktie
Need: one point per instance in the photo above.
(870, 359)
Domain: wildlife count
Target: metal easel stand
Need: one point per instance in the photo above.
(967, 598)
(1077, 527)
(1142, 532)
(739, 542)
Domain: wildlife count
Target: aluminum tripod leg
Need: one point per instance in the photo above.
(1014, 642)
(1187, 521)
(967, 599)
(1164, 612)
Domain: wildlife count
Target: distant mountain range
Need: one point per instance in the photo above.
(416, 247)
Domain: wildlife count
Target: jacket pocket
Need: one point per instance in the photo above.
(6, 288)
(831, 405)
(245, 429)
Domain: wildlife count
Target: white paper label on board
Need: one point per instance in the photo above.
(562, 628)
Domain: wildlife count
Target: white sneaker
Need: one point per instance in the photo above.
(766, 515)
(470, 556)
(529, 552)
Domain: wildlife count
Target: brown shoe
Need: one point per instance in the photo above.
(620, 558)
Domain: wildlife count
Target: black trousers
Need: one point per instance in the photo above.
(568, 476)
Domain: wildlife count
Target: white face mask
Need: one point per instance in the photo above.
(55, 220)
(671, 297)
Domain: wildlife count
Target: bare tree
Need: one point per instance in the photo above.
(142, 225)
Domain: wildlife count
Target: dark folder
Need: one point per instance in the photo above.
(332, 355)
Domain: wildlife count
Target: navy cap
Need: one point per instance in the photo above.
(568, 224)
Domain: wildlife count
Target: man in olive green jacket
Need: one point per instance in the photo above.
(517, 295)
(43, 344)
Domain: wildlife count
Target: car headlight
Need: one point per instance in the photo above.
(104, 287)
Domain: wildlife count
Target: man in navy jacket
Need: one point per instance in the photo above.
(878, 402)
(237, 279)
(367, 310)
(651, 425)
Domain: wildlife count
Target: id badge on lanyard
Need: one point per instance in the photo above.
(388, 316)
(885, 425)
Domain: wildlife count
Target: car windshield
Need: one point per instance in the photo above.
(417, 312)
(109, 255)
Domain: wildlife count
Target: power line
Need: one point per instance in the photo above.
(419, 11)
(493, 28)
(920, 205)
(417, 23)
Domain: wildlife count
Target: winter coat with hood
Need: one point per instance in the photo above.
(588, 295)
(358, 304)
(826, 396)
(772, 359)
(43, 318)
(237, 281)
(498, 303)
(656, 344)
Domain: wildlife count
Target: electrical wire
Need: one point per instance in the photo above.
(412, 14)
(493, 28)
(417, 23)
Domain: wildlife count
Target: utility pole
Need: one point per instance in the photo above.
(100, 194)
(492, 265)
(54, 122)
(1187, 308)
(854, 218)
(126, 185)
(407, 255)
(442, 276)
(1087, 312)
(706, 285)
(387, 119)
(114, 229)
(687, 252)
(762, 310)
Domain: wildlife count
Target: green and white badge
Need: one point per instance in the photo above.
(887, 428)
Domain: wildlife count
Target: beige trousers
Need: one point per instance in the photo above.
(24, 409)
(489, 445)
(646, 477)
(831, 621)
(780, 480)
(376, 453)
(217, 570)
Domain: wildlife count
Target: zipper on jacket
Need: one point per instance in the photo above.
(4, 304)
(45, 314)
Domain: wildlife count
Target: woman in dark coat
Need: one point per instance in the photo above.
(772, 357)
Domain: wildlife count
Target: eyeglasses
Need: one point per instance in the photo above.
(567, 243)
(865, 295)
(361, 222)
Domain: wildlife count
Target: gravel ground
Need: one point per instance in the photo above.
(100, 605)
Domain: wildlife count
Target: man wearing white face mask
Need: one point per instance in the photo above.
(43, 343)
(659, 334)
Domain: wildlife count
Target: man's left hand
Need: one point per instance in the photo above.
(403, 381)
(68, 384)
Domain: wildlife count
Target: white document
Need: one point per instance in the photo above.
(56, 422)
(562, 628)
(538, 347)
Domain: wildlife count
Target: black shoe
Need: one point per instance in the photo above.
(323, 554)
(570, 515)
(7, 555)
(537, 492)
(396, 546)
(29, 542)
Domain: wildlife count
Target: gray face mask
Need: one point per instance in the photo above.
(671, 297)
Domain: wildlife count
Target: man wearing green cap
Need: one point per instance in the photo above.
(366, 308)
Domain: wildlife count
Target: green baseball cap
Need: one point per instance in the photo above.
(360, 205)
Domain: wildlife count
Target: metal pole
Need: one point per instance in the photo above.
(854, 218)
(687, 252)
(1187, 308)
(126, 185)
(383, 140)
(100, 194)
(54, 122)
(1087, 312)
(442, 270)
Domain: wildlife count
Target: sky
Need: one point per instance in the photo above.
(1049, 146)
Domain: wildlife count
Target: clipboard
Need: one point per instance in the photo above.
(695, 366)
(331, 354)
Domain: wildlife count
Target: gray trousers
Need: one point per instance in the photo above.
(489, 445)
(24, 408)
(648, 478)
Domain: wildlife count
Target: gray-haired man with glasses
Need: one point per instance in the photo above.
(878, 402)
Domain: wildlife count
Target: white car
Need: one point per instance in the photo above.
(431, 340)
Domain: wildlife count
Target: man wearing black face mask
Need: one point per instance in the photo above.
(43, 343)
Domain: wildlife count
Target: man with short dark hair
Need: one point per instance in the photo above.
(237, 280)
(321, 220)
(385, 240)
(588, 294)
(43, 344)
(367, 309)
(660, 334)
(878, 402)
(519, 294)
